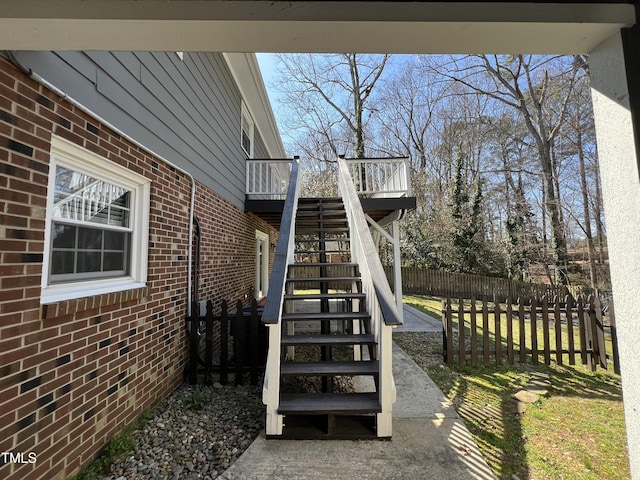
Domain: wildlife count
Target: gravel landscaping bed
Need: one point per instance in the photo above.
(195, 433)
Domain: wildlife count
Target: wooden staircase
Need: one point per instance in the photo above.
(326, 332)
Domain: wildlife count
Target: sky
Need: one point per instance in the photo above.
(267, 62)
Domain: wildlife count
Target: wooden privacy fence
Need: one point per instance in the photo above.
(567, 330)
(422, 281)
(233, 342)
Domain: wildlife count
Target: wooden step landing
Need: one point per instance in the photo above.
(325, 403)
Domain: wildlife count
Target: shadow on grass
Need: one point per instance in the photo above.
(483, 397)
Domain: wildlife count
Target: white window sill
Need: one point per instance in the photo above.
(73, 291)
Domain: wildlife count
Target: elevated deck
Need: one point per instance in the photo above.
(383, 187)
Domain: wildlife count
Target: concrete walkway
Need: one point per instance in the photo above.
(417, 321)
(429, 440)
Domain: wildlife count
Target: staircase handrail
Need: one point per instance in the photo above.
(364, 249)
(284, 250)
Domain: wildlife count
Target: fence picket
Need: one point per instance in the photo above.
(237, 342)
(193, 344)
(557, 323)
(533, 315)
(582, 326)
(474, 332)
(592, 335)
(614, 337)
(509, 331)
(208, 353)
(254, 334)
(568, 303)
(449, 335)
(545, 330)
(485, 331)
(523, 336)
(602, 346)
(498, 329)
(224, 344)
(462, 349)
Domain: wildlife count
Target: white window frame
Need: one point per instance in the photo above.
(245, 117)
(70, 155)
(262, 269)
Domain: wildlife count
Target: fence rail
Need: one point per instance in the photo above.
(564, 329)
(232, 342)
(438, 283)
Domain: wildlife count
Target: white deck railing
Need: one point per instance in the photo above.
(267, 179)
(380, 303)
(380, 177)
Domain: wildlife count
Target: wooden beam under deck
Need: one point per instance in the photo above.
(376, 208)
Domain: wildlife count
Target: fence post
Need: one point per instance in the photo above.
(224, 343)
(448, 334)
(599, 331)
(614, 337)
(238, 343)
(208, 352)
(253, 342)
(193, 344)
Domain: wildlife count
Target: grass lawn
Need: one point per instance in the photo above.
(576, 432)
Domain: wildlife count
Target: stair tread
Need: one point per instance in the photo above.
(325, 403)
(309, 212)
(329, 368)
(321, 296)
(323, 264)
(314, 221)
(322, 251)
(342, 339)
(347, 278)
(311, 229)
(314, 240)
(325, 316)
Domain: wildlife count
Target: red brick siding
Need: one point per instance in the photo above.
(74, 373)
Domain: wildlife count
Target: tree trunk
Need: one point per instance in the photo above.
(587, 214)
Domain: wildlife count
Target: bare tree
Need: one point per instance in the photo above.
(527, 84)
(324, 93)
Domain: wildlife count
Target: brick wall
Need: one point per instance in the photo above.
(73, 374)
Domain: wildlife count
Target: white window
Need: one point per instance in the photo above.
(97, 226)
(246, 131)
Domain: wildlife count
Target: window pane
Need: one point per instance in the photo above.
(62, 262)
(64, 236)
(89, 239)
(113, 261)
(246, 142)
(83, 198)
(114, 240)
(89, 262)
